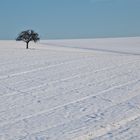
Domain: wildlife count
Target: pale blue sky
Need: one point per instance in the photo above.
(70, 18)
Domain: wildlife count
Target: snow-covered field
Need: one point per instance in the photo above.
(86, 89)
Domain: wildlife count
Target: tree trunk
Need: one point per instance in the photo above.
(27, 43)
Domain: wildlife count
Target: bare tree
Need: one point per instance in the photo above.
(27, 36)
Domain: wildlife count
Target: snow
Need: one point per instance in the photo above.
(129, 45)
(84, 89)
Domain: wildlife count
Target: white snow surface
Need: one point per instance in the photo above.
(84, 89)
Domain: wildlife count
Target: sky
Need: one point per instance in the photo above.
(70, 19)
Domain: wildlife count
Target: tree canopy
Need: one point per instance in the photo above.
(27, 36)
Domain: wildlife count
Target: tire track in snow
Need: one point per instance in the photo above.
(109, 127)
(102, 81)
(77, 75)
(66, 92)
(64, 79)
(76, 130)
(39, 69)
(61, 106)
